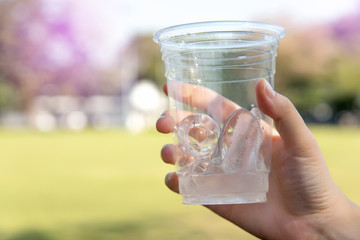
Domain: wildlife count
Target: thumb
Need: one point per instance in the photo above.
(288, 122)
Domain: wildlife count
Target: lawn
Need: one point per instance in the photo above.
(109, 185)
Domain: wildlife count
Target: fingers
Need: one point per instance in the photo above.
(174, 154)
(169, 154)
(167, 122)
(172, 182)
(201, 98)
(287, 120)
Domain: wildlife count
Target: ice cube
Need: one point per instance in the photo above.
(256, 112)
(240, 141)
(200, 167)
(198, 135)
(206, 167)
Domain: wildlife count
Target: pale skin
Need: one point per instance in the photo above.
(303, 200)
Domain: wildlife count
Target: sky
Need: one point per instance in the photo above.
(147, 16)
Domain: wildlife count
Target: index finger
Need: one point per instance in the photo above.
(201, 98)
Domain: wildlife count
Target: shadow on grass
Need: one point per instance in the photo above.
(31, 235)
(153, 228)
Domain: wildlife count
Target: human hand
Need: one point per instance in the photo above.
(303, 201)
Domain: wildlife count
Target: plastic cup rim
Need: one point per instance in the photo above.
(165, 35)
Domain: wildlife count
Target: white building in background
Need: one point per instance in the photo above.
(137, 111)
(147, 103)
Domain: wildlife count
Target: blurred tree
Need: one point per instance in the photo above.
(346, 33)
(35, 51)
(304, 66)
(9, 97)
(52, 48)
(319, 65)
(150, 64)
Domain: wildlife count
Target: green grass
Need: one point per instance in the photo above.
(341, 148)
(109, 185)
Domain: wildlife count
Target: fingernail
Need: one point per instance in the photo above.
(162, 116)
(168, 177)
(269, 90)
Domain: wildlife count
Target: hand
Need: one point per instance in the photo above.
(303, 201)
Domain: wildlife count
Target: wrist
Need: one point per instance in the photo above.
(343, 222)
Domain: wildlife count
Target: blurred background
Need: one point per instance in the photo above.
(80, 90)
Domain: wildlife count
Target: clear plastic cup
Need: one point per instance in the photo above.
(223, 139)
